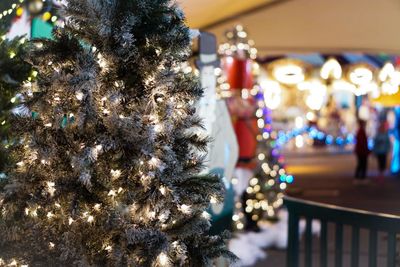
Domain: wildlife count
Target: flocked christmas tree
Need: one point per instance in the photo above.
(106, 168)
(13, 72)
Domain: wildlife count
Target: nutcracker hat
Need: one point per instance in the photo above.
(207, 51)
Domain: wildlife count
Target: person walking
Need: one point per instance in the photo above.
(362, 151)
(381, 150)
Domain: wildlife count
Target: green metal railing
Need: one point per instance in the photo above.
(356, 219)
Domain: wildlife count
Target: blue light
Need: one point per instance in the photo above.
(289, 179)
(320, 136)
(339, 141)
(329, 140)
(370, 144)
(283, 178)
(350, 139)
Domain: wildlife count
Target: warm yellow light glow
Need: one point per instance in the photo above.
(90, 219)
(272, 93)
(289, 74)
(253, 181)
(361, 75)
(299, 122)
(206, 215)
(342, 85)
(185, 209)
(331, 69)
(299, 141)
(46, 16)
(317, 95)
(386, 72)
(163, 259)
(389, 88)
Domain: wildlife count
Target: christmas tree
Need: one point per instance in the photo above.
(13, 72)
(106, 167)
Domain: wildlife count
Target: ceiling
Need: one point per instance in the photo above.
(201, 13)
(304, 26)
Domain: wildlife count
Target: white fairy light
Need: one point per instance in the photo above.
(163, 190)
(70, 221)
(185, 209)
(213, 200)
(115, 174)
(154, 162)
(51, 188)
(97, 207)
(206, 215)
(163, 259)
(51, 245)
(79, 96)
(108, 248)
(20, 164)
(158, 128)
(112, 193)
(50, 215)
(90, 219)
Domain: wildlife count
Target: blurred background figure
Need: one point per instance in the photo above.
(381, 149)
(362, 151)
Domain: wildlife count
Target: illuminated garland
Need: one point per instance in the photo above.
(316, 135)
(265, 190)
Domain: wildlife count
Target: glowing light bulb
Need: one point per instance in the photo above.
(361, 76)
(79, 96)
(386, 72)
(272, 93)
(51, 188)
(206, 215)
(213, 200)
(70, 221)
(331, 69)
(163, 259)
(90, 219)
(115, 174)
(185, 209)
(289, 74)
(163, 190)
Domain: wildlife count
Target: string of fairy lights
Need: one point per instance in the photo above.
(34, 7)
(88, 216)
(266, 188)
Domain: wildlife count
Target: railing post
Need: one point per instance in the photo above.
(339, 245)
(355, 246)
(373, 247)
(308, 243)
(324, 244)
(391, 249)
(293, 240)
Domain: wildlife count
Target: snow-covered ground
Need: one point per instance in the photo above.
(250, 247)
